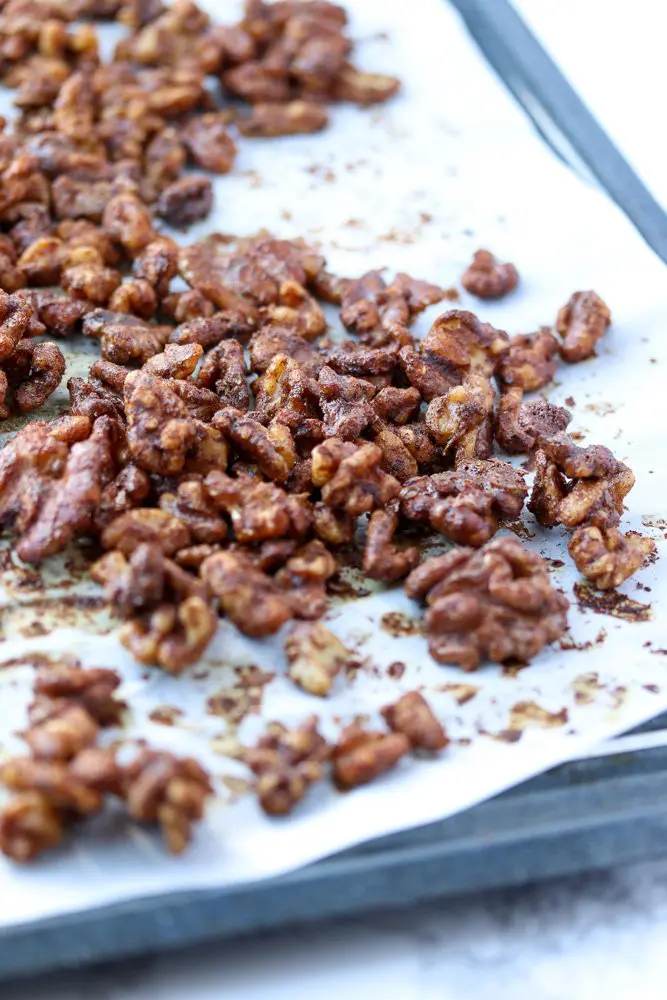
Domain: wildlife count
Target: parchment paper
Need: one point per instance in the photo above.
(418, 185)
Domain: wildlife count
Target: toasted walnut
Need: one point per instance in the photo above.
(258, 510)
(156, 527)
(182, 306)
(549, 489)
(364, 88)
(607, 557)
(160, 429)
(396, 456)
(314, 656)
(209, 143)
(396, 406)
(34, 372)
(61, 731)
(129, 488)
(136, 297)
(412, 716)
(41, 261)
(429, 374)
(462, 341)
(495, 604)
(520, 426)
(462, 420)
(29, 825)
(487, 278)
(529, 364)
(176, 361)
(125, 339)
(55, 781)
(270, 341)
(466, 504)
(252, 600)
(127, 220)
(359, 756)
(417, 440)
(297, 309)
(334, 527)
(157, 264)
(285, 389)
(351, 477)
(92, 689)
(383, 560)
(185, 201)
(224, 371)
(345, 404)
(60, 314)
(272, 450)
(68, 507)
(15, 315)
(192, 505)
(171, 636)
(582, 322)
(210, 330)
(286, 762)
(170, 791)
(291, 118)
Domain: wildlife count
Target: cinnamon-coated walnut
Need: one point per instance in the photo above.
(462, 420)
(413, 716)
(93, 689)
(486, 278)
(175, 361)
(290, 118)
(171, 791)
(257, 510)
(467, 503)
(61, 731)
(136, 297)
(272, 450)
(520, 426)
(396, 456)
(125, 492)
(34, 371)
(297, 309)
(209, 330)
(185, 201)
(351, 478)
(496, 603)
(271, 340)
(286, 762)
(146, 525)
(383, 560)
(209, 143)
(396, 406)
(171, 636)
(314, 656)
(529, 364)
(345, 403)
(251, 599)
(360, 756)
(460, 340)
(157, 264)
(606, 556)
(29, 825)
(582, 322)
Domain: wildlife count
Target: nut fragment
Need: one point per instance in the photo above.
(359, 756)
(412, 716)
(286, 762)
(314, 656)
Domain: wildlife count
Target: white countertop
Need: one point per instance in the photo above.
(582, 938)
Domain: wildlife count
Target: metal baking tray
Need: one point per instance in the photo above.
(585, 815)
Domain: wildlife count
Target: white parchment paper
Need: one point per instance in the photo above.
(417, 185)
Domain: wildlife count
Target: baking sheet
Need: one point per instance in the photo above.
(417, 186)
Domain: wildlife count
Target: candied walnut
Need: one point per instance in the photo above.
(286, 388)
(224, 371)
(396, 456)
(462, 420)
(257, 510)
(75, 199)
(124, 339)
(607, 557)
(461, 340)
(529, 364)
(487, 278)
(171, 636)
(54, 780)
(335, 527)
(128, 222)
(157, 264)
(286, 762)
(15, 315)
(129, 488)
(427, 373)
(364, 88)
(185, 201)
(304, 575)
(91, 282)
(345, 403)
(41, 262)
(202, 406)
(171, 791)
(269, 449)
(369, 304)
(144, 580)
(255, 83)
(383, 560)
(250, 599)
(67, 509)
(136, 297)
(60, 314)
(291, 118)
(581, 322)
(467, 503)
(396, 406)
(359, 756)
(297, 309)
(210, 330)
(360, 361)
(520, 426)
(176, 361)
(351, 477)
(92, 689)
(413, 716)
(417, 440)
(209, 143)
(549, 489)
(183, 306)
(496, 603)
(192, 505)
(314, 656)
(34, 372)
(29, 825)
(61, 731)
(146, 525)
